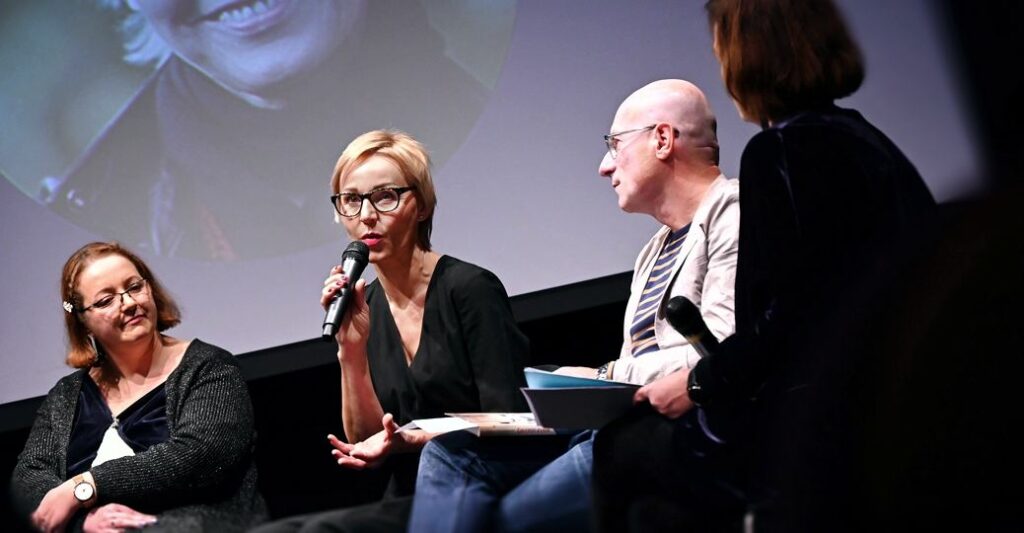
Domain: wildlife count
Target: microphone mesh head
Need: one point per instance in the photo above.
(358, 249)
(684, 316)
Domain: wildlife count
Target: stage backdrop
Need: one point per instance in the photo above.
(202, 135)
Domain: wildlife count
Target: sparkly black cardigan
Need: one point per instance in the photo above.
(202, 478)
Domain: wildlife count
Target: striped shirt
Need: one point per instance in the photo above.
(642, 331)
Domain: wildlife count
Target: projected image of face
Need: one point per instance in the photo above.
(249, 46)
(217, 153)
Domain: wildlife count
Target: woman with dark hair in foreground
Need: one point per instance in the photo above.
(826, 198)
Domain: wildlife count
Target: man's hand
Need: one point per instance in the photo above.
(667, 394)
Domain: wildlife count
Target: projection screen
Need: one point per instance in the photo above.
(202, 134)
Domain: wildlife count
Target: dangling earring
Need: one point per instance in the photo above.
(98, 355)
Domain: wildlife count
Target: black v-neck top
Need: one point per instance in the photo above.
(470, 357)
(140, 425)
(471, 353)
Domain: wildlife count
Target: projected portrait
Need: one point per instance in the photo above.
(219, 154)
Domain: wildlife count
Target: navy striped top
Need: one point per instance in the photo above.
(642, 331)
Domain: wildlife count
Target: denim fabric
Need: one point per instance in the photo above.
(471, 484)
(556, 497)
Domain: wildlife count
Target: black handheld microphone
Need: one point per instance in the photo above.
(353, 261)
(685, 317)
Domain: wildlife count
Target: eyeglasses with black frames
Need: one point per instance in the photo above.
(384, 200)
(138, 289)
(612, 139)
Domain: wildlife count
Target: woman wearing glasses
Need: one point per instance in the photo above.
(432, 334)
(150, 429)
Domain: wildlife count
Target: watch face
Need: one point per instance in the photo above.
(83, 491)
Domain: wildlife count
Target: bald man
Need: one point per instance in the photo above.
(662, 161)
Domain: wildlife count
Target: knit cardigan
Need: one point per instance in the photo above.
(202, 478)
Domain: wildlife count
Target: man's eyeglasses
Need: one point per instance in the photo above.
(137, 289)
(385, 199)
(612, 139)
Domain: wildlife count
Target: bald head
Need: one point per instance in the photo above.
(663, 151)
(679, 103)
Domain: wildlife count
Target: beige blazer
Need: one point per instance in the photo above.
(704, 272)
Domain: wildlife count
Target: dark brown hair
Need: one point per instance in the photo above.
(780, 57)
(80, 349)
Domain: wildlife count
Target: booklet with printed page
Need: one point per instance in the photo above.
(571, 403)
(558, 403)
(482, 424)
(542, 378)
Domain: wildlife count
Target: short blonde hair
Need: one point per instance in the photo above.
(80, 349)
(412, 160)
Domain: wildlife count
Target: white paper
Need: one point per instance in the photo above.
(441, 425)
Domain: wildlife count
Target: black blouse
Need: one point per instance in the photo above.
(140, 425)
(471, 352)
(470, 357)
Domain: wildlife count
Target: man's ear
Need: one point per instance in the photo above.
(665, 136)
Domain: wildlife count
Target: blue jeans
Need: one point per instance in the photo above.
(508, 484)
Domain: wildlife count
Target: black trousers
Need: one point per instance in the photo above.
(656, 474)
(390, 515)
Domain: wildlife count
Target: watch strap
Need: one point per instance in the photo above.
(694, 390)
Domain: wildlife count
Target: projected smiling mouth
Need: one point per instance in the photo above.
(193, 166)
(249, 17)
